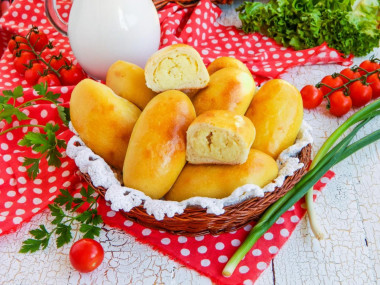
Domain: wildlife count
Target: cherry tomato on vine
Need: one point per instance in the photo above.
(360, 93)
(348, 72)
(340, 104)
(86, 255)
(71, 75)
(12, 44)
(57, 62)
(374, 81)
(38, 40)
(21, 48)
(20, 63)
(34, 73)
(333, 82)
(50, 78)
(312, 96)
(369, 66)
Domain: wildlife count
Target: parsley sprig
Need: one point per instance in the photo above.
(46, 144)
(64, 220)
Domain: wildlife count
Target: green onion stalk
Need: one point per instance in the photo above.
(324, 160)
(369, 110)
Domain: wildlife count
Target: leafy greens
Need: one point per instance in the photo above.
(351, 28)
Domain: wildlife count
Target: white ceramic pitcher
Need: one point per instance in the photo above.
(104, 31)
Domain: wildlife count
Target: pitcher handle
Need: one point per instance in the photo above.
(54, 18)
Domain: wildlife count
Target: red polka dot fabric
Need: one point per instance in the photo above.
(22, 198)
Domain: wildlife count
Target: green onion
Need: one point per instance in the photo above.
(371, 110)
(324, 160)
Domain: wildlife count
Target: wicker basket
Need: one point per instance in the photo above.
(196, 221)
(186, 3)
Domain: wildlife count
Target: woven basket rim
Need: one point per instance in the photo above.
(196, 220)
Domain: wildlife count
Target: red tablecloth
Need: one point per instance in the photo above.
(21, 198)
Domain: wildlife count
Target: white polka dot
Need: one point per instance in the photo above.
(22, 169)
(182, 239)
(287, 55)
(12, 182)
(20, 212)
(10, 136)
(202, 249)
(17, 220)
(222, 259)
(44, 114)
(53, 189)
(294, 219)
(235, 242)
(21, 180)
(128, 223)
(35, 210)
(4, 146)
(261, 265)
(37, 181)
(248, 282)
(51, 168)
(1, 181)
(185, 251)
(280, 221)
(273, 249)
(325, 180)
(21, 190)
(111, 214)
(165, 241)
(1, 217)
(8, 204)
(268, 236)
(66, 184)
(7, 157)
(52, 179)
(247, 228)
(311, 51)
(11, 193)
(37, 201)
(219, 246)
(65, 173)
(284, 232)
(243, 269)
(21, 200)
(199, 238)
(146, 232)
(37, 190)
(205, 262)
(256, 252)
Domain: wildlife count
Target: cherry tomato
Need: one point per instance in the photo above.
(348, 72)
(57, 62)
(333, 82)
(38, 40)
(12, 44)
(21, 48)
(34, 73)
(50, 78)
(360, 93)
(72, 75)
(86, 255)
(340, 104)
(368, 66)
(374, 81)
(312, 96)
(22, 61)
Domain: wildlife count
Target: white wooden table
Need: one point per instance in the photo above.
(349, 210)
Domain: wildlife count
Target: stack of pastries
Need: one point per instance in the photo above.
(177, 129)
